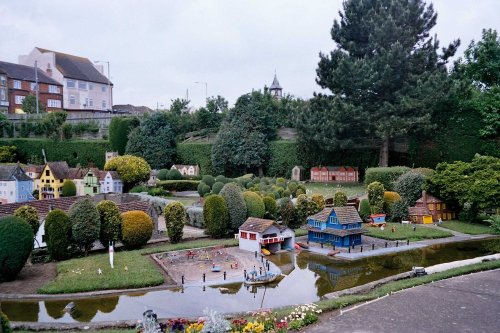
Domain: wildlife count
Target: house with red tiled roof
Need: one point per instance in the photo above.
(429, 209)
(257, 234)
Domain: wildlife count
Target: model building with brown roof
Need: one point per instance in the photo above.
(429, 209)
(338, 174)
(257, 234)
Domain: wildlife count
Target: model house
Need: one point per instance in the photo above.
(187, 170)
(339, 226)
(52, 179)
(429, 209)
(76, 176)
(256, 234)
(85, 85)
(91, 183)
(110, 182)
(340, 174)
(153, 177)
(34, 172)
(298, 173)
(21, 81)
(15, 185)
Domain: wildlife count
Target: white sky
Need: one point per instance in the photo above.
(158, 49)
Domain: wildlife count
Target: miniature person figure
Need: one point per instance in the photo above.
(393, 229)
(440, 221)
(414, 228)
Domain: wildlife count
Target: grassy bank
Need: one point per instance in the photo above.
(329, 189)
(467, 227)
(405, 231)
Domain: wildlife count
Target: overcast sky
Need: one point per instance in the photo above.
(159, 49)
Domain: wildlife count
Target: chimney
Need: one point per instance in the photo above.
(48, 71)
(424, 198)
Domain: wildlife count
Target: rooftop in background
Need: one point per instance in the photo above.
(25, 73)
(132, 109)
(13, 172)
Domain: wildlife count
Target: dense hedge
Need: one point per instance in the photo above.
(16, 243)
(137, 229)
(85, 223)
(284, 157)
(175, 219)
(216, 216)
(71, 151)
(119, 129)
(385, 175)
(58, 234)
(111, 222)
(179, 185)
(255, 205)
(196, 153)
(236, 206)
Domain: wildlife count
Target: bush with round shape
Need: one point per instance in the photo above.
(217, 187)
(221, 179)
(286, 194)
(390, 198)
(132, 169)
(175, 219)
(208, 179)
(385, 175)
(216, 216)
(85, 224)
(300, 192)
(319, 200)
(236, 206)
(16, 243)
(163, 174)
(58, 234)
(399, 211)
(303, 208)
(292, 187)
(111, 222)
(174, 174)
(288, 214)
(409, 186)
(68, 188)
(137, 229)
(255, 205)
(339, 199)
(200, 189)
(271, 207)
(376, 197)
(30, 215)
(205, 190)
(364, 209)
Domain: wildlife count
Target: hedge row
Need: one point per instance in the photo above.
(196, 153)
(284, 157)
(179, 185)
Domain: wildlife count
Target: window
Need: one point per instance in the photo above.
(53, 103)
(19, 99)
(103, 88)
(53, 89)
(103, 104)
(243, 235)
(82, 85)
(72, 99)
(86, 102)
(91, 102)
(431, 206)
(33, 86)
(317, 235)
(443, 206)
(70, 84)
(317, 224)
(3, 80)
(95, 189)
(60, 180)
(91, 86)
(334, 220)
(17, 84)
(253, 236)
(3, 95)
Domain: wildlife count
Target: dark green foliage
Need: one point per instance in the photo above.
(58, 234)
(29, 105)
(16, 243)
(236, 206)
(399, 211)
(205, 189)
(255, 205)
(85, 224)
(163, 174)
(386, 176)
(139, 189)
(4, 323)
(494, 222)
(288, 214)
(376, 197)
(364, 209)
(208, 179)
(304, 207)
(409, 186)
(221, 179)
(283, 157)
(179, 185)
(68, 188)
(340, 199)
(119, 129)
(175, 219)
(154, 140)
(30, 215)
(7, 154)
(217, 187)
(216, 216)
(74, 152)
(271, 207)
(67, 131)
(196, 153)
(174, 175)
(52, 124)
(82, 127)
(199, 188)
(111, 222)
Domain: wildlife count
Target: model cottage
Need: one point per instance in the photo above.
(429, 209)
(257, 234)
(339, 226)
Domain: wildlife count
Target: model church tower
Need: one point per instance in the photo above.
(275, 88)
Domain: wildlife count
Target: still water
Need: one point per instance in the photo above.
(307, 277)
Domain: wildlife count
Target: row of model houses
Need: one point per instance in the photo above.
(63, 81)
(17, 183)
(338, 174)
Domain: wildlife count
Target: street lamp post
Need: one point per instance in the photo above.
(109, 83)
(206, 90)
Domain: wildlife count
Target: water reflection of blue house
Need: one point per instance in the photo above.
(334, 275)
(340, 226)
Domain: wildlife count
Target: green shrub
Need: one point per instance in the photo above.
(67, 131)
(300, 192)
(288, 214)
(217, 187)
(426, 172)
(385, 175)
(284, 156)
(390, 198)
(119, 129)
(139, 189)
(216, 216)
(16, 243)
(196, 153)
(340, 199)
(319, 200)
(159, 192)
(137, 228)
(409, 186)
(132, 169)
(163, 174)
(399, 211)
(68, 188)
(304, 208)
(179, 185)
(175, 219)
(236, 206)
(209, 180)
(376, 197)
(271, 207)
(85, 224)
(221, 179)
(30, 215)
(255, 205)
(7, 154)
(174, 174)
(292, 187)
(364, 209)
(58, 234)
(111, 222)
(199, 188)
(5, 323)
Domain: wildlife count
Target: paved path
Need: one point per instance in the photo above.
(469, 303)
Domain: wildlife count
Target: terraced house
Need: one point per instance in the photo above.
(15, 185)
(52, 179)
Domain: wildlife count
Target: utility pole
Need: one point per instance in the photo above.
(36, 85)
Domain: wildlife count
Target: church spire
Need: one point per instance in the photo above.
(275, 88)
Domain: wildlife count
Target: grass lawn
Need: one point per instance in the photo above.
(467, 227)
(404, 232)
(328, 190)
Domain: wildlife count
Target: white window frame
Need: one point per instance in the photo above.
(91, 102)
(3, 80)
(19, 99)
(70, 84)
(104, 104)
(53, 89)
(104, 88)
(82, 84)
(72, 99)
(33, 86)
(17, 84)
(54, 103)
(3, 94)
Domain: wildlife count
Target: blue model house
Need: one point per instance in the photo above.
(15, 184)
(339, 226)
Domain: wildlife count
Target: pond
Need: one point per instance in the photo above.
(307, 278)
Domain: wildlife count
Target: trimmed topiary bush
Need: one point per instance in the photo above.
(255, 205)
(132, 169)
(137, 228)
(271, 207)
(221, 179)
(58, 234)
(364, 209)
(410, 186)
(68, 188)
(208, 179)
(163, 174)
(30, 215)
(340, 199)
(319, 200)
(174, 174)
(16, 243)
(175, 219)
(300, 192)
(85, 224)
(111, 222)
(390, 198)
(236, 206)
(179, 185)
(216, 216)
(376, 197)
(387, 176)
(217, 187)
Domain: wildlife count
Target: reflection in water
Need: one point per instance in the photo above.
(307, 278)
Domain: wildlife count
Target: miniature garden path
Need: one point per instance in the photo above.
(468, 303)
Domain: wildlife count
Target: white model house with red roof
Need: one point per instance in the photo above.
(257, 234)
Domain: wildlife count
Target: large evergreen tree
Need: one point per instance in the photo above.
(385, 70)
